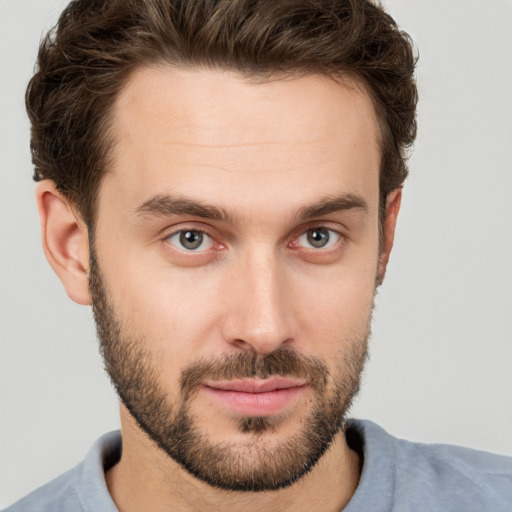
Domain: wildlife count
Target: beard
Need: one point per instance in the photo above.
(258, 463)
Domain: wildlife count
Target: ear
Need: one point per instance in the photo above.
(393, 201)
(65, 241)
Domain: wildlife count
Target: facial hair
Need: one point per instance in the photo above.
(257, 465)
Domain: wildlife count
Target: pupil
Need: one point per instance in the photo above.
(318, 237)
(191, 239)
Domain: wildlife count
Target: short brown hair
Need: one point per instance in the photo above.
(87, 58)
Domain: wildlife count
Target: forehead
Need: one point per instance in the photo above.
(214, 134)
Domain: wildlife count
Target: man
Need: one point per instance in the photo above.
(221, 181)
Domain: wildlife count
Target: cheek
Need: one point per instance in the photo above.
(173, 311)
(334, 309)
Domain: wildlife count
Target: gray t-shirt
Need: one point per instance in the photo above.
(398, 476)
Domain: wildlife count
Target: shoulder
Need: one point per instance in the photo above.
(81, 489)
(58, 495)
(434, 476)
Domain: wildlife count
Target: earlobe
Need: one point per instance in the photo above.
(393, 202)
(65, 241)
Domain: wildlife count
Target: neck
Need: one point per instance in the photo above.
(147, 479)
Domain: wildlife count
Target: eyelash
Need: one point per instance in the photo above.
(331, 241)
(293, 244)
(202, 232)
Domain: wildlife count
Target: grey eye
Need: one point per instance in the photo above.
(191, 240)
(318, 237)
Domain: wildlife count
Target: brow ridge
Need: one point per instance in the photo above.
(332, 204)
(168, 205)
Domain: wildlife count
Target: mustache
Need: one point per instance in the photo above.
(282, 362)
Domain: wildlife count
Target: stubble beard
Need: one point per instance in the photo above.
(257, 465)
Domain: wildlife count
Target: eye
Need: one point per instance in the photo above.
(318, 238)
(191, 240)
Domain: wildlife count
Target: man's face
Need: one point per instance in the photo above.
(234, 266)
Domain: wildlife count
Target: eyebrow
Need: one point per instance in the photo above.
(333, 204)
(168, 205)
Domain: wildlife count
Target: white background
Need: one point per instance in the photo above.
(440, 368)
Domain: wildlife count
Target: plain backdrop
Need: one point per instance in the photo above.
(441, 353)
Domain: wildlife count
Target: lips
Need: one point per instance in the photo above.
(252, 397)
(257, 386)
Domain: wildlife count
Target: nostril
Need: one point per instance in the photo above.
(244, 345)
(260, 345)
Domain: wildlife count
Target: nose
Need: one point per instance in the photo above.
(259, 315)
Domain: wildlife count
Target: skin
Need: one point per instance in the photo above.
(263, 153)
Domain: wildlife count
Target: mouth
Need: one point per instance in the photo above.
(253, 397)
